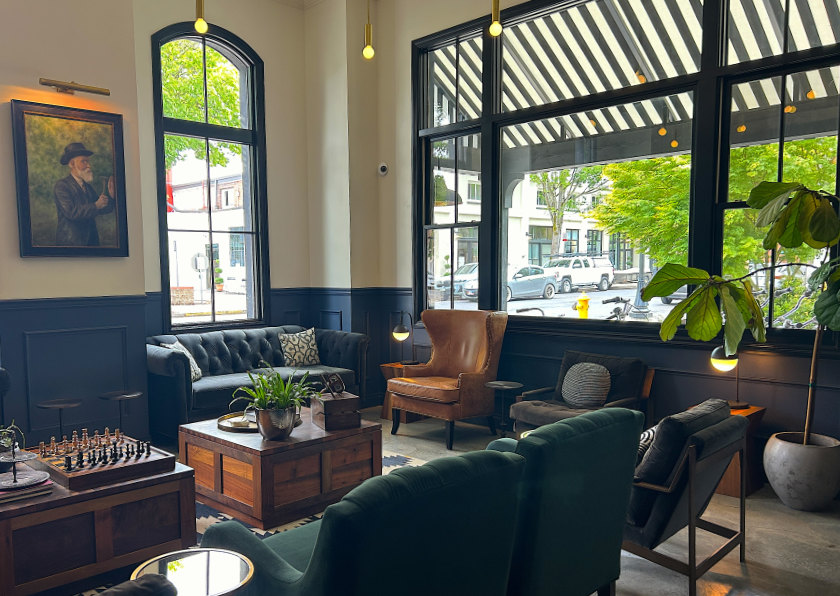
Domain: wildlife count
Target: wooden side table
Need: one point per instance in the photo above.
(389, 371)
(729, 483)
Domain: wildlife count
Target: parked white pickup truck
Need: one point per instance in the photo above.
(571, 272)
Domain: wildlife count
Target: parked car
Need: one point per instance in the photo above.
(463, 274)
(679, 294)
(572, 272)
(530, 282)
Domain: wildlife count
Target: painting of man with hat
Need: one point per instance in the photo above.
(77, 203)
(70, 176)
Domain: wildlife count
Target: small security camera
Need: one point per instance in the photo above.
(383, 169)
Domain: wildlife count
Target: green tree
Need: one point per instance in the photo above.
(561, 190)
(183, 98)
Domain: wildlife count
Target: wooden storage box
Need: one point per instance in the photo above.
(336, 413)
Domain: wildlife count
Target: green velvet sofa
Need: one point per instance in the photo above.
(444, 528)
(573, 499)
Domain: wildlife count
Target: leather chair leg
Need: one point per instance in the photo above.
(491, 422)
(450, 433)
(395, 420)
(607, 590)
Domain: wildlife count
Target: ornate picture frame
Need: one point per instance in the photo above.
(70, 174)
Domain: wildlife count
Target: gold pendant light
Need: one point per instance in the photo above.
(368, 50)
(200, 24)
(496, 24)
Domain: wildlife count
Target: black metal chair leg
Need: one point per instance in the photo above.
(395, 420)
(491, 422)
(450, 433)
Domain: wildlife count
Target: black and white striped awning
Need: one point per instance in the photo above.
(613, 44)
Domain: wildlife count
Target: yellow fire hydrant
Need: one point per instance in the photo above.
(582, 306)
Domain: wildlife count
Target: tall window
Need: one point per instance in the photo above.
(626, 120)
(210, 138)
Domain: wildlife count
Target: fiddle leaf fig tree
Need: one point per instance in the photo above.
(795, 215)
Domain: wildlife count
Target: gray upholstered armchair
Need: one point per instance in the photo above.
(626, 383)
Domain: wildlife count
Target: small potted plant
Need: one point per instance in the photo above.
(218, 279)
(7, 439)
(275, 401)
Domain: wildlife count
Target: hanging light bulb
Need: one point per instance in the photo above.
(791, 109)
(642, 78)
(662, 131)
(675, 143)
(200, 24)
(496, 25)
(593, 123)
(811, 94)
(741, 128)
(368, 50)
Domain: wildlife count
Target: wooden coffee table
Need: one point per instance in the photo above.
(67, 535)
(268, 483)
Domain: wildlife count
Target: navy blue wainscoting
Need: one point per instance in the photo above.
(74, 348)
(684, 376)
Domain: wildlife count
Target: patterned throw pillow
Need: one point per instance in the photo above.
(586, 385)
(299, 349)
(645, 441)
(195, 371)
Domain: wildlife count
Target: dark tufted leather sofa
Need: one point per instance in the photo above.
(224, 358)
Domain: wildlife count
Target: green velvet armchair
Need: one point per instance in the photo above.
(443, 528)
(573, 499)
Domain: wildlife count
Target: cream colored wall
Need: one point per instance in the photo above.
(91, 42)
(327, 144)
(276, 32)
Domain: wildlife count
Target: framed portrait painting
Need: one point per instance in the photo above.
(70, 174)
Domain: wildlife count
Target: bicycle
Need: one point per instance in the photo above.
(619, 313)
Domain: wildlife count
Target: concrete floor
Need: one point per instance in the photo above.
(789, 553)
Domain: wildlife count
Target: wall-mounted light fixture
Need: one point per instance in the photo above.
(675, 143)
(496, 23)
(71, 87)
(200, 24)
(368, 50)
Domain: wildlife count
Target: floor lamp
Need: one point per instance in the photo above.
(722, 362)
(402, 333)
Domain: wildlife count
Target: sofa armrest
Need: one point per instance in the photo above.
(529, 395)
(623, 403)
(344, 349)
(166, 362)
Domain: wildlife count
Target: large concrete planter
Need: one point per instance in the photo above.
(805, 477)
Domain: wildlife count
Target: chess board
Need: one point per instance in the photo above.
(107, 470)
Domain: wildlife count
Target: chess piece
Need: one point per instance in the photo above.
(148, 448)
(75, 440)
(52, 445)
(42, 449)
(80, 460)
(117, 435)
(107, 436)
(68, 463)
(97, 440)
(85, 439)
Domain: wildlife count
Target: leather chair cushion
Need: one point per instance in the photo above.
(670, 438)
(440, 389)
(539, 413)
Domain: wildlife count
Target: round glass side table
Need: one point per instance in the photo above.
(201, 571)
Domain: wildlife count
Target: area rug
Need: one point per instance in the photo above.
(206, 516)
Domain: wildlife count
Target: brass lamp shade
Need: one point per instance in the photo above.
(401, 332)
(722, 362)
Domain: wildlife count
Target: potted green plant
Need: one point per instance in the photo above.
(275, 401)
(802, 467)
(218, 280)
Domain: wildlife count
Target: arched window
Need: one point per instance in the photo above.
(210, 140)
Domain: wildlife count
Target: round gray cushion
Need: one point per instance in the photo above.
(586, 385)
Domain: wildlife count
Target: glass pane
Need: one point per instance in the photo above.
(182, 79)
(757, 27)
(191, 277)
(469, 79)
(469, 178)
(623, 191)
(230, 187)
(443, 90)
(186, 183)
(226, 84)
(234, 276)
(598, 46)
(793, 304)
(753, 135)
(810, 115)
(443, 182)
(438, 268)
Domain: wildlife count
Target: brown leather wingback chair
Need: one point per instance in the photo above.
(465, 355)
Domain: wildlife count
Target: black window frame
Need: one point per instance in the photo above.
(710, 87)
(253, 137)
